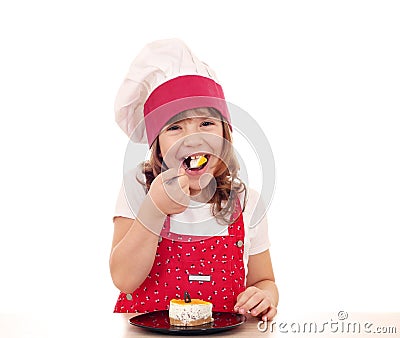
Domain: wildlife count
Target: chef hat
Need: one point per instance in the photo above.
(164, 80)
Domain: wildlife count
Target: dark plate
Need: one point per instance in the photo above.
(158, 321)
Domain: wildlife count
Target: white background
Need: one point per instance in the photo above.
(320, 77)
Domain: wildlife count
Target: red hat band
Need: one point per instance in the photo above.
(180, 94)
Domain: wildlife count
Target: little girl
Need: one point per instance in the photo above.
(182, 223)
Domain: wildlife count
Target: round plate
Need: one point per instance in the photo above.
(158, 321)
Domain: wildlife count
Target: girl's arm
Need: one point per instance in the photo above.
(135, 241)
(134, 247)
(261, 295)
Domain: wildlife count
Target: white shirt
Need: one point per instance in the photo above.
(197, 219)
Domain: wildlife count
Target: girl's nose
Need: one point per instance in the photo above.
(193, 140)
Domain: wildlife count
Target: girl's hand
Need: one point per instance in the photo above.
(171, 195)
(257, 301)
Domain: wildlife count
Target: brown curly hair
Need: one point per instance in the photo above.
(228, 184)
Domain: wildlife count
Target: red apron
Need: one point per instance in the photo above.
(209, 268)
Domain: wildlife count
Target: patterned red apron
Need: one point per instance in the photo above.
(207, 268)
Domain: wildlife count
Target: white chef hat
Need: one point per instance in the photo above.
(164, 80)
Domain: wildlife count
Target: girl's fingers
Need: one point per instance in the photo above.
(271, 313)
(251, 303)
(184, 183)
(244, 297)
(263, 306)
(257, 302)
(170, 175)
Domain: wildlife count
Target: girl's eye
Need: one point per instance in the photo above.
(173, 127)
(207, 123)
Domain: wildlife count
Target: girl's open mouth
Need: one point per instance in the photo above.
(195, 162)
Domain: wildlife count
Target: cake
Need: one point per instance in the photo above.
(195, 162)
(195, 312)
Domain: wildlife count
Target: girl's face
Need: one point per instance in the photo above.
(183, 141)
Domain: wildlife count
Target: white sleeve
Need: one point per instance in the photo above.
(255, 218)
(131, 195)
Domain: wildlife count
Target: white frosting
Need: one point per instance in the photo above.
(190, 312)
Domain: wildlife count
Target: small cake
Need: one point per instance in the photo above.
(195, 162)
(189, 313)
(198, 162)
